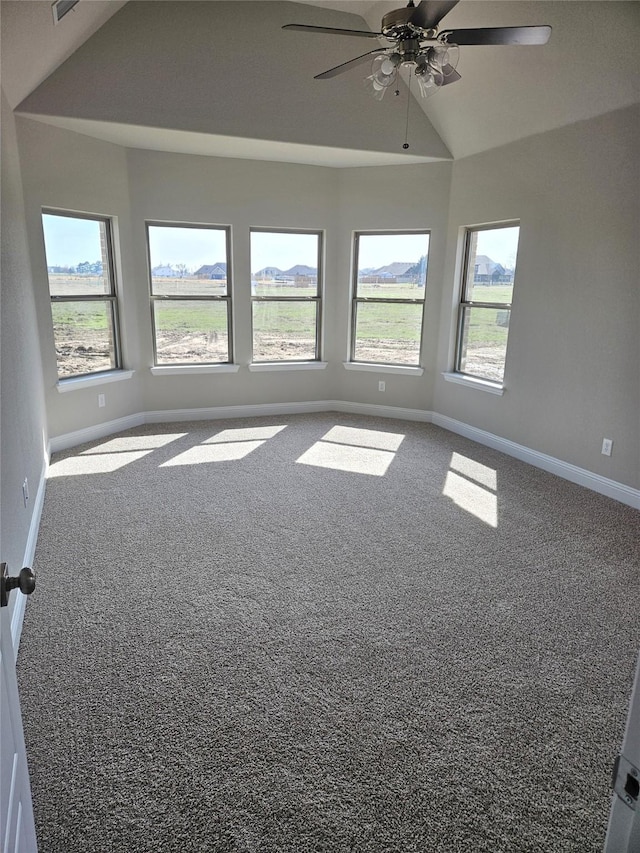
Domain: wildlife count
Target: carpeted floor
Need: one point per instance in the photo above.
(324, 633)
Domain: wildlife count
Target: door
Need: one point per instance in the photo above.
(17, 830)
(623, 835)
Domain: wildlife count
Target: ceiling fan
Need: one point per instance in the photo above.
(417, 43)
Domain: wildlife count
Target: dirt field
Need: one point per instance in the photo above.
(90, 354)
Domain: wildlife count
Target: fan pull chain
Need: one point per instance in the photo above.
(406, 127)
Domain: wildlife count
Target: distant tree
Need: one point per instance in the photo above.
(418, 271)
(84, 268)
(181, 269)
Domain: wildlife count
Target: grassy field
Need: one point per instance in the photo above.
(197, 331)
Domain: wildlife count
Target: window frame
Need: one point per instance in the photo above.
(111, 299)
(317, 299)
(167, 298)
(465, 304)
(355, 299)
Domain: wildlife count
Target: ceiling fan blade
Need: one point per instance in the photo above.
(331, 30)
(497, 35)
(338, 69)
(450, 75)
(429, 13)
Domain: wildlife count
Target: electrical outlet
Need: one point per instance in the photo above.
(381, 385)
(607, 446)
(25, 491)
(101, 401)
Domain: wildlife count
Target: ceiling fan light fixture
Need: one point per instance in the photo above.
(384, 70)
(429, 77)
(446, 57)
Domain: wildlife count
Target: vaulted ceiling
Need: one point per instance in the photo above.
(222, 77)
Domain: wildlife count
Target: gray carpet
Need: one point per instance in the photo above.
(347, 634)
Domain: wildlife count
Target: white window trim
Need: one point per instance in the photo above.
(473, 382)
(212, 367)
(352, 364)
(264, 366)
(461, 274)
(374, 367)
(74, 383)
(184, 369)
(318, 300)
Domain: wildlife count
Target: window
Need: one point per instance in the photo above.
(190, 293)
(286, 275)
(485, 307)
(390, 276)
(84, 305)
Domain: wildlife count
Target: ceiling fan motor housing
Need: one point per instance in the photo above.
(397, 24)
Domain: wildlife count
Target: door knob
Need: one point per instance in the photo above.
(25, 582)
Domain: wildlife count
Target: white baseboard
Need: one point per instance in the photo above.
(91, 433)
(265, 409)
(602, 485)
(377, 411)
(215, 413)
(17, 616)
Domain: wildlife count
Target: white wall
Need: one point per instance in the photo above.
(72, 172)
(572, 364)
(393, 197)
(23, 430)
(229, 69)
(571, 375)
(240, 193)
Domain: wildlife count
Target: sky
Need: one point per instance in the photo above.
(193, 247)
(70, 241)
(500, 244)
(379, 250)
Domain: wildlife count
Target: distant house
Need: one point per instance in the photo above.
(163, 272)
(269, 273)
(399, 272)
(302, 270)
(215, 272)
(487, 271)
(301, 275)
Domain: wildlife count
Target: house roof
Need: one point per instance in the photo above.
(301, 269)
(396, 268)
(210, 269)
(505, 93)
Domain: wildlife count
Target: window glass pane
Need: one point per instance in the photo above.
(84, 337)
(491, 264)
(392, 266)
(284, 264)
(483, 342)
(191, 332)
(77, 256)
(388, 333)
(188, 261)
(284, 331)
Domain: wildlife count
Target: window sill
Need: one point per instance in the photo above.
(472, 382)
(400, 369)
(184, 369)
(72, 384)
(258, 366)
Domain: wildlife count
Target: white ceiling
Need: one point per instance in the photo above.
(589, 67)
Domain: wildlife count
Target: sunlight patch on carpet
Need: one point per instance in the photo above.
(473, 488)
(358, 451)
(247, 434)
(364, 438)
(206, 453)
(134, 442)
(101, 463)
